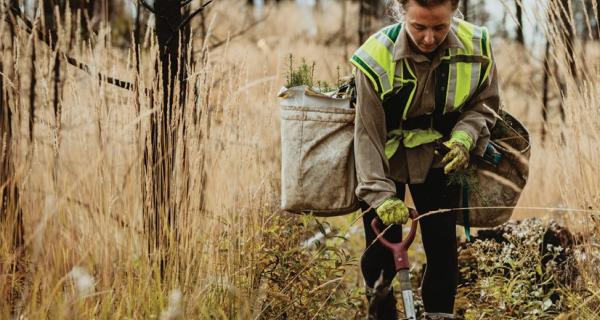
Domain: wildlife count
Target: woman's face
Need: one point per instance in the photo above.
(428, 26)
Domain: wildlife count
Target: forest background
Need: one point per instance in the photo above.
(140, 161)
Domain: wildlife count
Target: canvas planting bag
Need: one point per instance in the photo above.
(317, 160)
(498, 178)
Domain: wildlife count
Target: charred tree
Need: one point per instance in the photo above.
(54, 11)
(465, 9)
(11, 214)
(519, 28)
(545, 90)
(161, 215)
(561, 40)
(32, 85)
(566, 29)
(137, 34)
(160, 211)
(87, 12)
(367, 15)
(597, 30)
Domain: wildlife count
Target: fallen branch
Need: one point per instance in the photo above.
(110, 80)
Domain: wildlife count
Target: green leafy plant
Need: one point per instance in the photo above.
(305, 272)
(512, 278)
(304, 75)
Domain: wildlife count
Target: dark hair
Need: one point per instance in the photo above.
(430, 3)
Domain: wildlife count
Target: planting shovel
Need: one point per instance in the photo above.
(400, 252)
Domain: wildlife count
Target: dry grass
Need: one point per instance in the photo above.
(80, 181)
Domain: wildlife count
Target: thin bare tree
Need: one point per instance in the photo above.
(519, 27)
(11, 213)
(561, 35)
(367, 15)
(545, 90)
(160, 211)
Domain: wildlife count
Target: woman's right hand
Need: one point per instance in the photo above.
(392, 211)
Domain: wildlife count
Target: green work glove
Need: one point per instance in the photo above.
(458, 157)
(392, 211)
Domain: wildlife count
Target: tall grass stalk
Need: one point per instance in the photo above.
(82, 198)
(572, 153)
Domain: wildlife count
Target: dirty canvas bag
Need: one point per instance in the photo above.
(317, 160)
(498, 178)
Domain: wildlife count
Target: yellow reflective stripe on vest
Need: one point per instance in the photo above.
(410, 139)
(469, 35)
(379, 53)
(376, 53)
(463, 78)
(417, 137)
(467, 78)
(375, 59)
(451, 88)
(414, 90)
(374, 69)
(488, 45)
(387, 42)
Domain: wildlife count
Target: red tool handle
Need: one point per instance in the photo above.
(399, 249)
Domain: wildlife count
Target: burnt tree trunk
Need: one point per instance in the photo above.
(32, 85)
(519, 28)
(160, 209)
(87, 11)
(597, 21)
(545, 89)
(366, 15)
(54, 11)
(11, 214)
(569, 36)
(105, 10)
(560, 38)
(465, 9)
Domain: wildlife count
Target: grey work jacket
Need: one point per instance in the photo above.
(375, 173)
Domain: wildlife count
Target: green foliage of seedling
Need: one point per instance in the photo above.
(301, 76)
(304, 75)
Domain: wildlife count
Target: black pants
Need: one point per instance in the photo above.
(438, 234)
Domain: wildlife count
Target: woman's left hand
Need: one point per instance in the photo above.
(457, 158)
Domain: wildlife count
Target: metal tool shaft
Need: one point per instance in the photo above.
(407, 295)
(400, 253)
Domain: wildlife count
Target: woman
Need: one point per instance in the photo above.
(427, 80)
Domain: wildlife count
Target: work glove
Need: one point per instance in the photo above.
(392, 211)
(458, 156)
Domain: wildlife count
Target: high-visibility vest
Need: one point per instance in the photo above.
(461, 72)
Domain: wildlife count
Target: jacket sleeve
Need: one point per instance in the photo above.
(479, 114)
(372, 167)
